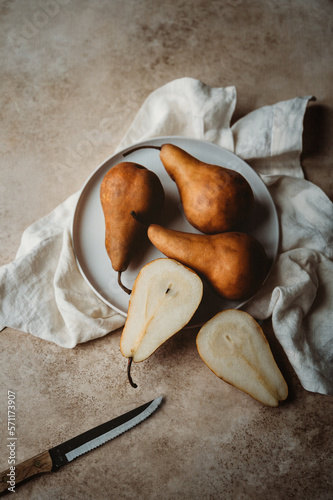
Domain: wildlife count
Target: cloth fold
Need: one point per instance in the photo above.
(270, 138)
(43, 293)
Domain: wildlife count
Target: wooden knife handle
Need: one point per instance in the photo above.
(36, 465)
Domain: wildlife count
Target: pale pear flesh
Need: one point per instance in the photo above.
(164, 297)
(234, 347)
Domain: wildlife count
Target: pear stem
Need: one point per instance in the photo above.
(129, 364)
(141, 147)
(138, 219)
(127, 290)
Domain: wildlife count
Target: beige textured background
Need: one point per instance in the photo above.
(73, 75)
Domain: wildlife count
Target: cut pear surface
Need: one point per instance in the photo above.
(164, 297)
(234, 347)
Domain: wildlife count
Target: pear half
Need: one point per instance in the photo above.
(234, 347)
(164, 297)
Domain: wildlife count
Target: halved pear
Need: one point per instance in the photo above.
(234, 347)
(164, 297)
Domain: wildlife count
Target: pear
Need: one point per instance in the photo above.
(234, 347)
(128, 186)
(214, 198)
(164, 297)
(233, 263)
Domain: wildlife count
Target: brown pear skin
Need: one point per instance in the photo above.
(215, 199)
(233, 263)
(128, 187)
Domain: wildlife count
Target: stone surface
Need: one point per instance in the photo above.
(73, 75)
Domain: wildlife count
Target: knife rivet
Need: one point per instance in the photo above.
(37, 463)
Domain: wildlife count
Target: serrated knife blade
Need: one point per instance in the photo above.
(60, 455)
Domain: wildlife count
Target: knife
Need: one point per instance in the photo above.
(55, 458)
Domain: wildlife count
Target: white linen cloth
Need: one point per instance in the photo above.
(43, 293)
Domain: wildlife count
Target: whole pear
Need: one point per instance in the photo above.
(233, 263)
(128, 187)
(215, 199)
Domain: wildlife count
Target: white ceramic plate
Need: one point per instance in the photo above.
(88, 230)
